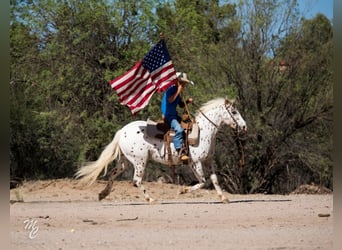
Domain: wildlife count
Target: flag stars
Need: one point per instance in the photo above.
(156, 58)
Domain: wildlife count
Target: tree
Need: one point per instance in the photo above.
(64, 53)
(287, 106)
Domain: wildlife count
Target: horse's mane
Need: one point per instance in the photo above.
(210, 105)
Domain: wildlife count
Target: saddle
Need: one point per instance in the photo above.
(161, 130)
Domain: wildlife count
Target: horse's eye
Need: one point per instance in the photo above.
(234, 112)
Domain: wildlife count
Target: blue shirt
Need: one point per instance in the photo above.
(169, 110)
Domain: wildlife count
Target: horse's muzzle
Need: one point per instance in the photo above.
(242, 129)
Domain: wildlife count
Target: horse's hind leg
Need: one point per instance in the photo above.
(137, 180)
(120, 167)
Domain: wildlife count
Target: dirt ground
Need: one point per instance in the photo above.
(57, 214)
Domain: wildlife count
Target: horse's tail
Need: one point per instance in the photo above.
(91, 170)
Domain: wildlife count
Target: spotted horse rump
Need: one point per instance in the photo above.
(132, 144)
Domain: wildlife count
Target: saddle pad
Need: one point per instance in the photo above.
(194, 134)
(152, 129)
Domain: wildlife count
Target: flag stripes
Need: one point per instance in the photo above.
(155, 73)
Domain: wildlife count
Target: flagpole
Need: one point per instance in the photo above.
(186, 107)
(161, 35)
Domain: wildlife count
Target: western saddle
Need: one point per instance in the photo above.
(162, 131)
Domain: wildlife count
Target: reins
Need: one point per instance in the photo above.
(206, 117)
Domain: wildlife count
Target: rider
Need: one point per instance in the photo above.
(172, 98)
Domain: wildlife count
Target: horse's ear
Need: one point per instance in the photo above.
(231, 102)
(226, 101)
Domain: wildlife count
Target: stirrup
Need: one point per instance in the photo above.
(184, 157)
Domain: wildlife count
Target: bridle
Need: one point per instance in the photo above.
(237, 137)
(231, 115)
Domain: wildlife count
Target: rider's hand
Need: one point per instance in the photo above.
(190, 100)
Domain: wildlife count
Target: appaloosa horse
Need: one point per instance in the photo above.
(131, 144)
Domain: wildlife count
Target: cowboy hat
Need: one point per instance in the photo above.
(182, 77)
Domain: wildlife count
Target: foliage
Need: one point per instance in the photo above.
(63, 111)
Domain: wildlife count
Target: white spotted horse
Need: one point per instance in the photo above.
(131, 144)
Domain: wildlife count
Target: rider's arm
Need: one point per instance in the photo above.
(172, 98)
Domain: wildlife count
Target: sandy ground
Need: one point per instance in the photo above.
(58, 214)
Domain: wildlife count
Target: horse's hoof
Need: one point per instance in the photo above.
(102, 196)
(151, 201)
(183, 190)
(104, 193)
(225, 200)
(154, 202)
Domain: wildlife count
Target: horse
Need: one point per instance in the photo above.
(131, 144)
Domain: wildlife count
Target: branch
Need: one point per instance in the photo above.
(305, 122)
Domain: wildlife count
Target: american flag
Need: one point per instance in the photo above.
(155, 73)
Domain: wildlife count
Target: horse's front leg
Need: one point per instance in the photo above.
(214, 180)
(198, 172)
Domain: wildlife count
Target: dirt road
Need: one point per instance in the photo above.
(57, 214)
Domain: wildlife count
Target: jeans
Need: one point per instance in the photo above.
(178, 138)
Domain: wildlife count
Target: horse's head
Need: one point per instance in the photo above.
(233, 118)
